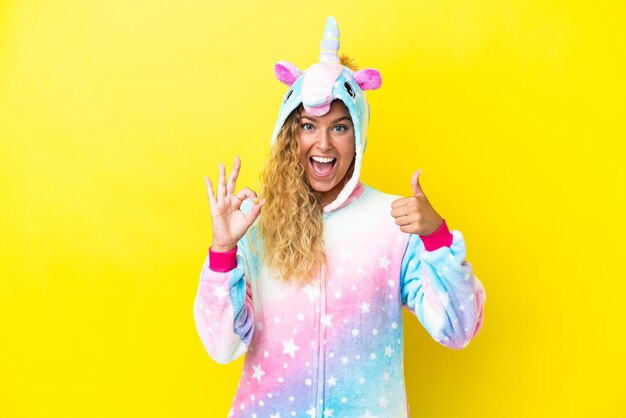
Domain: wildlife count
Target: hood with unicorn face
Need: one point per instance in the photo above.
(320, 84)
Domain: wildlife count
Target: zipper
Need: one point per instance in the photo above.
(319, 397)
(319, 402)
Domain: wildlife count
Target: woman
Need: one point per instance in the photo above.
(310, 281)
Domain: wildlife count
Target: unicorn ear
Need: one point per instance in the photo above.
(368, 79)
(286, 72)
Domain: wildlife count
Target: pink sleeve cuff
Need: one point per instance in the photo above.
(222, 262)
(440, 238)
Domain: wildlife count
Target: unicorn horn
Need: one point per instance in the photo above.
(329, 46)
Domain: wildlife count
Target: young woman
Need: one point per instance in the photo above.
(310, 281)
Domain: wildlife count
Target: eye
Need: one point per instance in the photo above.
(307, 126)
(349, 89)
(342, 128)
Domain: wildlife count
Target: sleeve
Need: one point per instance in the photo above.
(223, 308)
(439, 287)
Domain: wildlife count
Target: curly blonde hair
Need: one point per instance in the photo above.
(291, 225)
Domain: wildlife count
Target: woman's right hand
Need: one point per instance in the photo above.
(229, 222)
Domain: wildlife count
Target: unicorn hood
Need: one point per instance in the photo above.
(320, 84)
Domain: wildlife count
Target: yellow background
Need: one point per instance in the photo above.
(111, 113)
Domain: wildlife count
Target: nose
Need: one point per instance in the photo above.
(324, 141)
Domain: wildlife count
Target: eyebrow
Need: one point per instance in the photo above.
(314, 119)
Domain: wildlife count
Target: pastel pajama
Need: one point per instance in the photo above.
(334, 348)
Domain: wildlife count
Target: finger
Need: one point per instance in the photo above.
(398, 203)
(246, 192)
(209, 187)
(401, 211)
(407, 229)
(415, 183)
(403, 220)
(232, 179)
(221, 188)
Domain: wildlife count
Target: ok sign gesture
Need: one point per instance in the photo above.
(229, 222)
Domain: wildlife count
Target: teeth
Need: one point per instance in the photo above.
(323, 159)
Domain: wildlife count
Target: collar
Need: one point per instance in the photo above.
(358, 191)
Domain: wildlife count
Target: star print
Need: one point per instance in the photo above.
(368, 415)
(384, 262)
(259, 326)
(220, 292)
(311, 412)
(276, 415)
(365, 307)
(388, 351)
(467, 276)
(386, 377)
(326, 320)
(332, 381)
(313, 292)
(290, 348)
(328, 413)
(382, 401)
(344, 400)
(258, 372)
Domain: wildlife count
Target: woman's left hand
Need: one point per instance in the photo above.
(414, 214)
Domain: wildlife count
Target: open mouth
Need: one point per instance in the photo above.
(322, 167)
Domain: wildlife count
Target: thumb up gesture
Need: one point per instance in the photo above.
(229, 222)
(414, 214)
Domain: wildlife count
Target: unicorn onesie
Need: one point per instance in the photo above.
(334, 347)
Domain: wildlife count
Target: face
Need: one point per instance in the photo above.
(327, 149)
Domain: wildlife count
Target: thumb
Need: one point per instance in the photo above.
(254, 212)
(415, 183)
